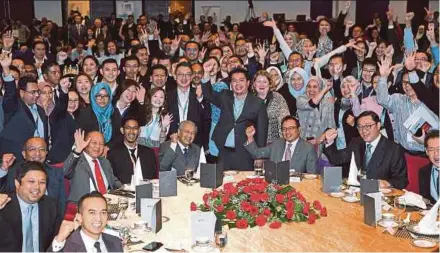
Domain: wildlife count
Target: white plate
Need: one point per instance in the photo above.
(337, 194)
(422, 243)
(230, 173)
(434, 232)
(135, 239)
(392, 224)
(423, 212)
(351, 199)
(386, 191)
(310, 176)
(254, 176)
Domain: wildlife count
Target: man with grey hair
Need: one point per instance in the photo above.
(180, 153)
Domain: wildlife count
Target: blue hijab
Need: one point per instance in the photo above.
(305, 77)
(103, 114)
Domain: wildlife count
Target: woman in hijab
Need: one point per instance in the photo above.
(276, 77)
(46, 98)
(100, 115)
(295, 87)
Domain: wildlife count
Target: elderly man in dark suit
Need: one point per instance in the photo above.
(429, 175)
(92, 215)
(127, 157)
(34, 150)
(180, 153)
(239, 109)
(377, 156)
(86, 169)
(23, 117)
(291, 147)
(30, 219)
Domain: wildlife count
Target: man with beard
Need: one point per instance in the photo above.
(128, 158)
(197, 70)
(192, 51)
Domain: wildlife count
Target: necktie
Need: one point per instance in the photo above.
(185, 154)
(29, 243)
(133, 156)
(99, 179)
(78, 27)
(97, 246)
(368, 155)
(288, 153)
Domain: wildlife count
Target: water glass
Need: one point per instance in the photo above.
(123, 206)
(400, 206)
(221, 239)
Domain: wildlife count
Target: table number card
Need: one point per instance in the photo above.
(331, 179)
(372, 208)
(151, 212)
(168, 183)
(277, 171)
(202, 225)
(368, 186)
(144, 190)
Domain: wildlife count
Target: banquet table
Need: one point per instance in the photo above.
(342, 230)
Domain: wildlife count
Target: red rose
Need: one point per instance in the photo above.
(260, 187)
(279, 198)
(241, 224)
(289, 214)
(261, 220)
(300, 197)
(253, 211)
(306, 208)
(193, 206)
(231, 215)
(247, 189)
(255, 197)
(264, 197)
(267, 212)
(324, 212)
(275, 225)
(312, 218)
(317, 205)
(214, 194)
(289, 204)
(246, 206)
(225, 199)
(220, 208)
(205, 197)
(230, 189)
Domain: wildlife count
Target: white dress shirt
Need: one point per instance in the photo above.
(183, 104)
(92, 167)
(373, 143)
(292, 148)
(90, 243)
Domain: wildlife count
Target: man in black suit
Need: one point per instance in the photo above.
(92, 215)
(31, 219)
(379, 157)
(77, 31)
(23, 118)
(128, 158)
(429, 175)
(239, 109)
(159, 79)
(186, 103)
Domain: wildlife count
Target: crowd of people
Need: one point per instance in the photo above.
(85, 108)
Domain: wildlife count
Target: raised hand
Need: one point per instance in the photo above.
(8, 40)
(389, 52)
(249, 48)
(175, 43)
(80, 142)
(385, 67)
(166, 120)
(174, 137)
(4, 200)
(250, 132)
(207, 68)
(206, 36)
(65, 230)
(270, 24)
(261, 51)
(330, 135)
(429, 14)
(199, 92)
(5, 60)
(91, 43)
(328, 84)
(349, 24)
(390, 14)
(7, 161)
(65, 85)
(156, 32)
(202, 54)
(140, 94)
(430, 34)
(347, 5)
(410, 63)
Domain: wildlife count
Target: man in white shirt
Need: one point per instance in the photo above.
(110, 72)
(92, 215)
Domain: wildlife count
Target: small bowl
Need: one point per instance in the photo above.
(424, 243)
(388, 216)
(310, 176)
(134, 238)
(337, 194)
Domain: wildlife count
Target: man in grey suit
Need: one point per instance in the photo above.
(180, 153)
(88, 171)
(300, 153)
(92, 215)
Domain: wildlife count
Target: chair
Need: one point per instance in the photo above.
(413, 165)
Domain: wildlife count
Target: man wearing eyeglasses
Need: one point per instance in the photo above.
(291, 147)
(378, 157)
(22, 116)
(429, 176)
(34, 150)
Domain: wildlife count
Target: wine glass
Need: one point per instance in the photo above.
(400, 206)
(123, 206)
(362, 174)
(258, 167)
(221, 239)
(189, 173)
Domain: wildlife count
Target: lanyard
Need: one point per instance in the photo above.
(183, 107)
(149, 128)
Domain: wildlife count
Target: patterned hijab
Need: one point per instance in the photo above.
(103, 114)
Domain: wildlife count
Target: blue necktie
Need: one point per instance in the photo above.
(368, 155)
(185, 154)
(29, 242)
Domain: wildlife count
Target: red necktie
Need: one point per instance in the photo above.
(99, 180)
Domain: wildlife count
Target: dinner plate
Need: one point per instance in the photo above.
(423, 243)
(230, 173)
(392, 224)
(351, 199)
(386, 190)
(337, 194)
(415, 229)
(310, 176)
(423, 212)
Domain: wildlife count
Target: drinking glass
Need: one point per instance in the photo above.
(258, 167)
(124, 233)
(400, 206)
(189, 173)
(123, 206)
(221, 239)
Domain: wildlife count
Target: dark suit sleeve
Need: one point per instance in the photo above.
(253, 66)
(337, 31)
(60, 107)
(311, 162)
(211, 95)
(262, 126)
(166, 157)
(398, 177)
(337, 157)
(10, 99)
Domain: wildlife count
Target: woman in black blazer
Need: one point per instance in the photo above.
(129, 101)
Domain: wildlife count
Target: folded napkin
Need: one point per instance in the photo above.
(413, 199)
(352, 175)
(429, 224)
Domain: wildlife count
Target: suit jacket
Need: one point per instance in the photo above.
(175, 159)
(19, 124)
(120, 160)
(303, 158)
(55, 183)
(291, 100)
(11, 224)
(425, 182)
(387, 162)
(197, 113)
(75, 37)
(78, 171)
(74, 243)
(254, 113)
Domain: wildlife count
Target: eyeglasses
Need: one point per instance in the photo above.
(192, 49)
(285, 129)
(181, 75)
(33, 92)
(73, 100)
(102, 97)
(34, 149)
(366, 127)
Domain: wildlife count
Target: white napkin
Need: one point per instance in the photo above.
(428, 225)
(413, 199)
(352, 175)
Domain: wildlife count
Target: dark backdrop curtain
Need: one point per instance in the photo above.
(365, 11)
(318, 8)
(418, 7)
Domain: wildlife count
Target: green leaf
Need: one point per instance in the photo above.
(285, 190)
(231, 225)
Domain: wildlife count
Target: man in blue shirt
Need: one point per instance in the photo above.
(429, 175)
